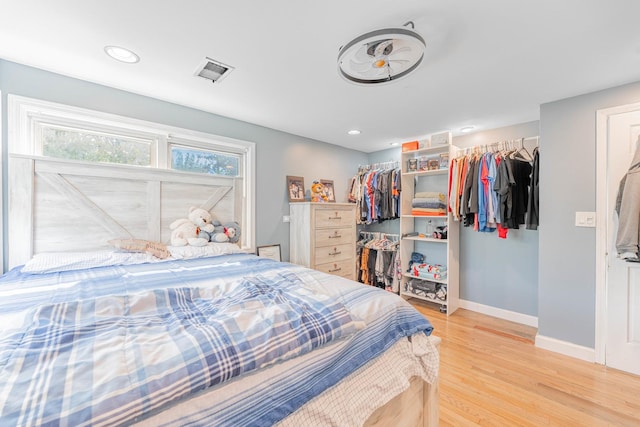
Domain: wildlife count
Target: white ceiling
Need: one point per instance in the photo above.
(488, 63)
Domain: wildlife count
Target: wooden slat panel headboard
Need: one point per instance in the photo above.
(58, 205)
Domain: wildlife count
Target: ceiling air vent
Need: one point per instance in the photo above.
(213, 70)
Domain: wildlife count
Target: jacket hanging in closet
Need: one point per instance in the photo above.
(628, 209)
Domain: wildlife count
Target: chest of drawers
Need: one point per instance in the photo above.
(323, 237)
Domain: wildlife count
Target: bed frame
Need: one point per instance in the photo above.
(61, 205)
(416, 406)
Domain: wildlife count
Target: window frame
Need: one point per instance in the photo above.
(25, 115)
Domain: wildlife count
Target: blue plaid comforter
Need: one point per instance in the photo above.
(111, 345)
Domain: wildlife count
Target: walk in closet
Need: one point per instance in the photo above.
(429, 236)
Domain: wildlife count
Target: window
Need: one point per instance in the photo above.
(79, 144)
(65, 132)
(204, 161)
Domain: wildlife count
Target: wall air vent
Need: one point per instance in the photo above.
(213, 70)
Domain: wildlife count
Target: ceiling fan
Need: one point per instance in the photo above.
(381, 56)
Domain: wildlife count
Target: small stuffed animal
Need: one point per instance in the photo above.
(192, 231)
(229, 232)
(232, 230)
(317, 192)
(218, 235)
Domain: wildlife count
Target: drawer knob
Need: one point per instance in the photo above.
(335, 252)
(335, 235)
(335, 217)
(335, 268)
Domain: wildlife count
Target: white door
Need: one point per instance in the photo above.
(623, 278)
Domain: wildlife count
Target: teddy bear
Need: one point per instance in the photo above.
(229, 232)
(232, 230)
(218, 234)
(192, 231)
(317, 192)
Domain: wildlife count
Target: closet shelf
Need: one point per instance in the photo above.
(443, 281)
(424, 298)
(430, 150)
(425, 239)
(435, 251)
(427, 172)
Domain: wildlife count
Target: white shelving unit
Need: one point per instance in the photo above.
(435, 251)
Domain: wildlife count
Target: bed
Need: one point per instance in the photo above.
(92, 335)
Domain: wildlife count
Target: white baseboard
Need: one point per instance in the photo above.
(500, 313)
(563, 347)
(568, 349)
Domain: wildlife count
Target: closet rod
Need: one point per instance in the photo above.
(391, 164)
(499, 145)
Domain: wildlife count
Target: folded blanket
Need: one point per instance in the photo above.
(427, 200)
(431, 276)
(429, 211)
(429, 268)
(431, 194)
(421, 203)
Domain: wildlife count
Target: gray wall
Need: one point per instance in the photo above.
(278, 154)
(500, 273)
(567, 288)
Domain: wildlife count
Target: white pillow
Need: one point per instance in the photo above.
(211, 249)
(50, 262)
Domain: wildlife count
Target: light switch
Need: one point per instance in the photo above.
(286, 218)
(585, 219)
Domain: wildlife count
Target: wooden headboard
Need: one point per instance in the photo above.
(60, 205)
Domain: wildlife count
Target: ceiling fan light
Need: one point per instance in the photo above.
(381, 56)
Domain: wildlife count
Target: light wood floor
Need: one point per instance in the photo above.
(491, 374)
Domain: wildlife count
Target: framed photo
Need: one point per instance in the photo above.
(328, 190)
(433, 164)
(295, 188)
(270, 251)
(444, 160)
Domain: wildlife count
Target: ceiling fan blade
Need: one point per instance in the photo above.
(375, 73)
(361, 55)
(400, 50)
(402, 62)
(359, 67)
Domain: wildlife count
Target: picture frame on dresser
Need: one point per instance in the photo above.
(295, 188)
(328, 190)
(270, 251)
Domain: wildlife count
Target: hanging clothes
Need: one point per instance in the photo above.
(376, 192)
(628, 210)
(495, 190)
(378, 260)
(533, 209)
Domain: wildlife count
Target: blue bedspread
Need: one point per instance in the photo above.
(112, 345)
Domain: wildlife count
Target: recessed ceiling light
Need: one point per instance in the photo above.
(121, 54)
(467, 129)
(354, 132)
(393, 144)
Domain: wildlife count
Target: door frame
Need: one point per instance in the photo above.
(602, 235)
